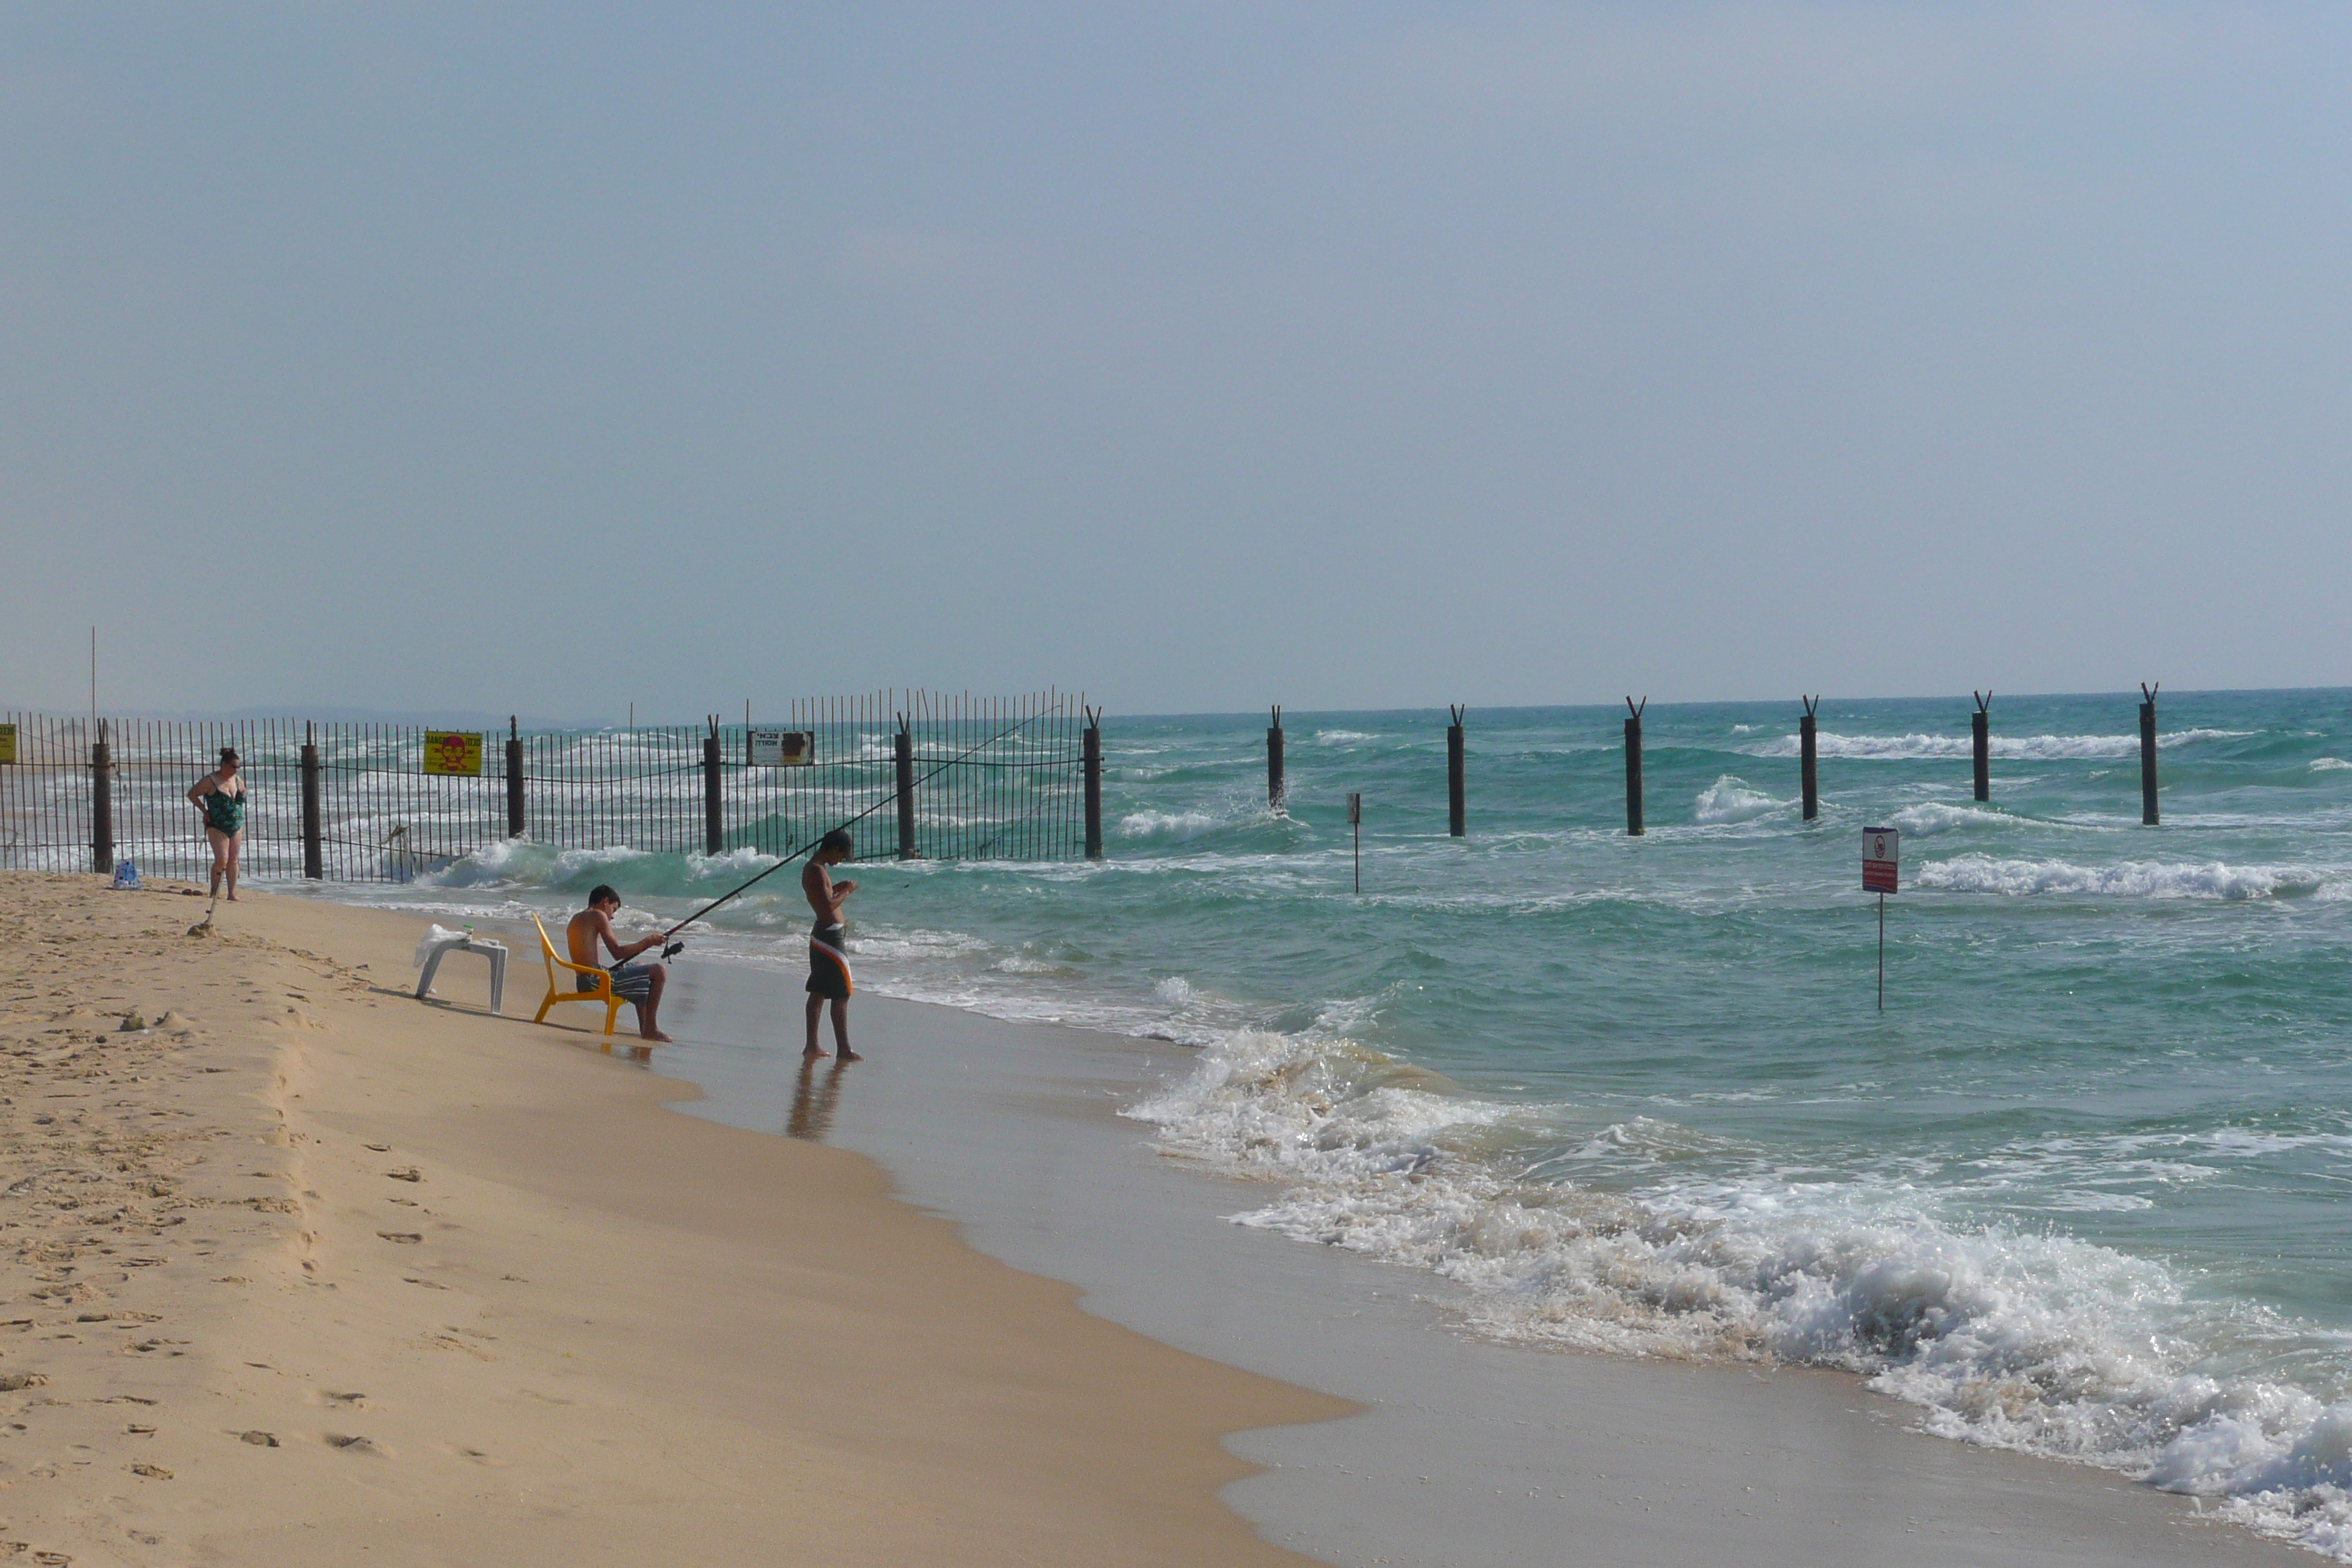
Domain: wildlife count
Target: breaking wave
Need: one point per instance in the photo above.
(1935, 816)
(2015, 748)
(1176, 824)
(2006, 1336)
(1728, 799)
(2128, 879)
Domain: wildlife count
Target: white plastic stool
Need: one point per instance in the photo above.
(439, 943)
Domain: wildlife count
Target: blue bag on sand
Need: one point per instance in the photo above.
(126, 876)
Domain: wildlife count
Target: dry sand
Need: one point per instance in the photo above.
(307, 1271)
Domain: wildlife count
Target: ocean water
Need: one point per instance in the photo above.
(2080, 1190)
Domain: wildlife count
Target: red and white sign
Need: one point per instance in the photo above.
(1881, 849)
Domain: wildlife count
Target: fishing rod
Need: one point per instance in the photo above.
(748, 886)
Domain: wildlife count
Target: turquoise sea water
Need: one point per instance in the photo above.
(2081, 1189)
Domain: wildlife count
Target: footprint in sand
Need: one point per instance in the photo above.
(405, 1238)
(349, 1444)
(477, 1456)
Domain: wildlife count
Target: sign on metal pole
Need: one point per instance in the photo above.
(1356, 822)
(7, 742)
(1882, 849)
(781, 749)
(454, 755)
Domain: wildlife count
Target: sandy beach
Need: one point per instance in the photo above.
(306, 1271)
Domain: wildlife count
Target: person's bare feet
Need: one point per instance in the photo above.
(846, 1054)
(810, 1054)
(655, 1036)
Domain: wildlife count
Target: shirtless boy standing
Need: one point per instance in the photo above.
(828, 963)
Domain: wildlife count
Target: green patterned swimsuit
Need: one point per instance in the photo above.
(225, 813)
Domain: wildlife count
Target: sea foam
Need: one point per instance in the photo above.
(1169, 824)
(1728, 799)
(1932, 817)
(2038, 747)
(2002, 1336)
(2127, 878)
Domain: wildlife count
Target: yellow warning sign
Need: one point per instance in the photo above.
(453, 753)
(7, 742)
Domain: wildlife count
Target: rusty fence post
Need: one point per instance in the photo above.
(1092, 754)
(714, 825)
(102, 803)
(1275, 788)
(1456, 802)
(903, 755)
(1809, 757)
(1980, 743)
(314, 836)
(1634, 767)
(514, 824)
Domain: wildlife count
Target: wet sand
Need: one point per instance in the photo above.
(1467, 1453)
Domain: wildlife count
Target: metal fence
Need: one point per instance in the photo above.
(913, 775)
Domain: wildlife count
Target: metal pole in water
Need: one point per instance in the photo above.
(1274, 787)
(1356, 822)
(1980, 734)
(1634, 768)
(2148, 754)
(1092, 757)
(1456, 813)
(1808, 763)
(1882, 952)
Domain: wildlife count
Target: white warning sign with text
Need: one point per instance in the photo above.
(1881, 851)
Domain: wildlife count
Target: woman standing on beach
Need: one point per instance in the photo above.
(221, 795)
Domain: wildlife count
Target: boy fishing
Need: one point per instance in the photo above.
(829, 958)
(639, 984)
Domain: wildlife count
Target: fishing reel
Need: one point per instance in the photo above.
(673, 950)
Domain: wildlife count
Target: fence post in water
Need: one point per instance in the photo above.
(903, 748)
(1274, 788)
(1092, 759)
(2148, 754)
(314, 845)
(713, 824)
(101, 802)
(1634, 768)
(1456, 814)
(1808, 767)
(1980, 733)
(514, 778)
(1356, 827)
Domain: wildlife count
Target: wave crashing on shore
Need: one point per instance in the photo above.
(2008, 1336)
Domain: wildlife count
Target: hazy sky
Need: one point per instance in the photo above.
(1203, 356)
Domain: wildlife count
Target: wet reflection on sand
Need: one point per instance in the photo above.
(814, 1099)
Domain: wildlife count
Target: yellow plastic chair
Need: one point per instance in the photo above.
(600, 992)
